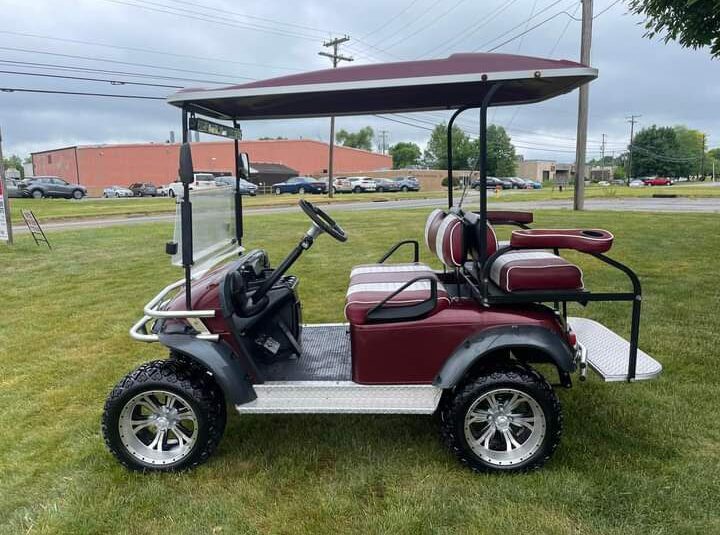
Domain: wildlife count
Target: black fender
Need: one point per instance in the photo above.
(481, 344)
(218, 359)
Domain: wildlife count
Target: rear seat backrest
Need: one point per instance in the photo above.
(473, 236)
(449, 241)
(431, 228)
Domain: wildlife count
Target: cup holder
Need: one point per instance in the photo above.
(592, 233)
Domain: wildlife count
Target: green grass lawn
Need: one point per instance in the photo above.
(638, 458)
(56, 209)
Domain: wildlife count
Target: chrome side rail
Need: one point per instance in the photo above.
(153, 311)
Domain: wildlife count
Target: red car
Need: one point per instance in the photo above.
(657, 181)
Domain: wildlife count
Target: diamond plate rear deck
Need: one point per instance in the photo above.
(608, 353)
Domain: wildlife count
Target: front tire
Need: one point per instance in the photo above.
(507, 420)
(164, 416)
(37, 194)
(278, 191)
(77, 194)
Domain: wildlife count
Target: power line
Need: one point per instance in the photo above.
(113, 82)
(118, 62)
(433, 21)
(66, 68)
(144, 50)
(556, 2)
(80, 93)
(194, 15)
(551, 17)
(391, 19)
(472, 29)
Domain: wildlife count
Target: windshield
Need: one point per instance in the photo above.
(213, 226)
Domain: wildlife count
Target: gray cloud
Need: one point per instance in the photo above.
(664, 83)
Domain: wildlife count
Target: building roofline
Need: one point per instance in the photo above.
(55, 150)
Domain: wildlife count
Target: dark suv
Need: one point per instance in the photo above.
(38, 187)
(144, 189)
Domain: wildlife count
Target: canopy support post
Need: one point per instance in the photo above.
(483, 170)
(238, 197)
(451, 122)
(186, 221)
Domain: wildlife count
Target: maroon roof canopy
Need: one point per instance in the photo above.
(453, 82)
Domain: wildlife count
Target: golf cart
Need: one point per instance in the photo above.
(463, 343)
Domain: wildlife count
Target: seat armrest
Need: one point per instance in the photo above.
(583, 240)
(416, 250)
(508, 217)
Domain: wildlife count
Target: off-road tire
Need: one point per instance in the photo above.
(196, 387)
(516, 376)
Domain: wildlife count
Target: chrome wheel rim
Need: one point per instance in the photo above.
(505, 427)
(158, 427)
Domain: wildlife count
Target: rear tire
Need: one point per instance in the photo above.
(171, 193)
(357, 189)
(301, 191)
(405, 189)
(164, 416)
(37, 194)
(509, 406)
(278, 191)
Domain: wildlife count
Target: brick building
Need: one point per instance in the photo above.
(98, 166)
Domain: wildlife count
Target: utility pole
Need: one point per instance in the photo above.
(702, 160)
(383, 136)
(602, 158)
(336, 58)
(582, 125)
(632, 120)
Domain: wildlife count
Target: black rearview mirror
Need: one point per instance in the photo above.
(186, 171)
(244, 166)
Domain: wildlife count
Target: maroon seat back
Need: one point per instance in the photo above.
(450, 241)
(472, 236)
(432, 225)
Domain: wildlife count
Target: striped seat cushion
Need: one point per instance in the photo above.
(363, 296)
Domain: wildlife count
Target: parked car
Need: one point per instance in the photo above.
(407, 183)
(144, 189)
(38, 187)
(202, 181)
(657, 181)
(301, 185)
(117, 191)
(385, 184)
(492, 183)
(245, 187)
(637, 183)
(603, 183)
(518, 183)
(362, 184)
(12, 190)
(534, 184)
(163, 191)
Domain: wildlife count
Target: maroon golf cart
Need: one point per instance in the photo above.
(464, 343)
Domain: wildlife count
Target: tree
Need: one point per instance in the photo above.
(692, 23)
(436, 150)
(501, 152)
(362, 139)
(405, 154)
(656, 151)
(14, 162)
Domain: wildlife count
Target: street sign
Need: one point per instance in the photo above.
(5, 224)
(34, 227)
(216, 129)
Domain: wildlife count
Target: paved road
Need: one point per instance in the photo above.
(690, 205)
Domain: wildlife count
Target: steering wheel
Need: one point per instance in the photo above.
(322, 220)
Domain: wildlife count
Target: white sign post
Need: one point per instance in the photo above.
(5, 224)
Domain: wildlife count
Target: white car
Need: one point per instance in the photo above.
(361, 184)
(117, 191)
(202, 181)
(637, 183)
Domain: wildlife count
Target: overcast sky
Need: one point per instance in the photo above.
(176, 42)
